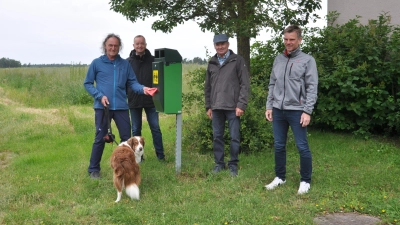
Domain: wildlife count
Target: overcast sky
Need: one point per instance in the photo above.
(71, 31)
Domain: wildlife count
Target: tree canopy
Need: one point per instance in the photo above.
(9, 63)
(241, 18)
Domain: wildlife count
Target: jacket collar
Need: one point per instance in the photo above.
(106, 59)
(133, 55)
(230, 54)
(293, 53)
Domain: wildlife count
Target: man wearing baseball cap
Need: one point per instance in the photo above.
(226, 93)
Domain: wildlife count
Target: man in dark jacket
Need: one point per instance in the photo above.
(141, 61)
(226, 94)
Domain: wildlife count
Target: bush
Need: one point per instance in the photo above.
(358, 91)
(256, 133)
(359, 85)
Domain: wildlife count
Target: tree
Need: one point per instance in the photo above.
(241, 18)
(9, 63)
(198, 60)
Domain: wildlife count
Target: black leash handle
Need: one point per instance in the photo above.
(109, 130)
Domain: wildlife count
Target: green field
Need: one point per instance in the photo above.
(45, 143)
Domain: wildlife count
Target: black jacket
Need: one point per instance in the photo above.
(142, 66)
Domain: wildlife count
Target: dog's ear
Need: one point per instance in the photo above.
(131, 142)
(142, 140)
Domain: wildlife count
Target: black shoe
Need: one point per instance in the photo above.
(218, 168)
(95, 175)
(233, 170)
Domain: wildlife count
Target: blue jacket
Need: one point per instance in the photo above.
(112, 79)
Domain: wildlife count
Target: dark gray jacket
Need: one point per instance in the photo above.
(293, 83)
(227, 86)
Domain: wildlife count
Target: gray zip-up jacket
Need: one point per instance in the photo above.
(293, 83)
(227, 86)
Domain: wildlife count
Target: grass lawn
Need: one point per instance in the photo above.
(45, 150)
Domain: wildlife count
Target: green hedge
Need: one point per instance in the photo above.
(358, 91)
(359, 76)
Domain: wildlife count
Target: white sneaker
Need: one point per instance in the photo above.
(304, 188)
(275, 183)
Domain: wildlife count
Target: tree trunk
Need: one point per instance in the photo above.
(243, 47)
(243, 31)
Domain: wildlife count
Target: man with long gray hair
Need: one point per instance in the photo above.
(112, 75)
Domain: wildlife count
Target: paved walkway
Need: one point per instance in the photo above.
(346, 219)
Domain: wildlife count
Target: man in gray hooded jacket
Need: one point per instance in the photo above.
(291, 97)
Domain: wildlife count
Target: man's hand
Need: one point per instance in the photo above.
(268, 115)
(104, 101)
(209, 113)
(305, 119)
(239, 112)
(146, 90)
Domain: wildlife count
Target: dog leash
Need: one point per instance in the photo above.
(110, 137)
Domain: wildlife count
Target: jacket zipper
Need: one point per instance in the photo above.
(284, 81)
(290, 70)
(115, 77)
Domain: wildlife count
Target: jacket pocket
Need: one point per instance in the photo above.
(297, 71)
(293, 94)
(121, 77)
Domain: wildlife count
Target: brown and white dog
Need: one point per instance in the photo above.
(125, 161)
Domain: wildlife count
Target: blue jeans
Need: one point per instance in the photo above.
(218, 124)
(282, 119)
(152, 119)
(121, 119)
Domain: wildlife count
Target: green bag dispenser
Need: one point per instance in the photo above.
(167, 78)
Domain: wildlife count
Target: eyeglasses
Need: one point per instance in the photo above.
(112, 46)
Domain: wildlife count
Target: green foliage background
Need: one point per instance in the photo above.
(359, 84)
(359, 87)
(256, 132)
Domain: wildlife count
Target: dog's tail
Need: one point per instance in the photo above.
(132, 179)
(132, 191)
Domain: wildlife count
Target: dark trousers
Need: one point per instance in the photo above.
(282, 119)
(153, 120)
(121, 119)
(218, 123)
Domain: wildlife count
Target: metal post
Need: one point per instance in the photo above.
(178, 143)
